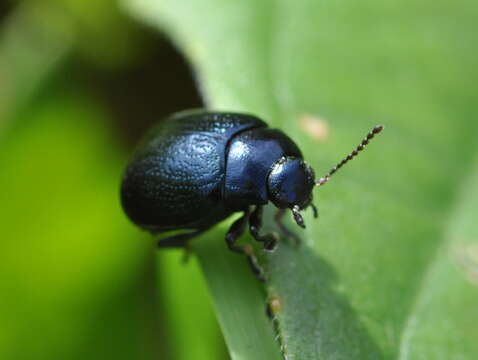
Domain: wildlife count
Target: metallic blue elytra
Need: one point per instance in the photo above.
(196, 168)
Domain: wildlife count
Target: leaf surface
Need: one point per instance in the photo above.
(372, 277)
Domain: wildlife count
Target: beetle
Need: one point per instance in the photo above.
(198, 167)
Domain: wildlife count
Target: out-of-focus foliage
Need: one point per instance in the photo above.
(72, 273)
(389, 270)
(77, 280)
(33, 40)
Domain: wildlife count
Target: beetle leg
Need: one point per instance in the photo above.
(255, 225)
(279, 217)
(235, 231)
(180, 240)
(315, 211)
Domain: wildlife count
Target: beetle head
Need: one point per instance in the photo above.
(291, 180)
(290, 183)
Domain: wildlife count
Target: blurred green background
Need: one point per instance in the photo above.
(81, 81)
(79, 84)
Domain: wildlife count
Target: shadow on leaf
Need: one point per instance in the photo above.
(316, 320)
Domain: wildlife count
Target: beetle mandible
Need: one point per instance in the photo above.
(197, 167)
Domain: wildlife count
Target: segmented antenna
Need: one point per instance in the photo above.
(350, 156)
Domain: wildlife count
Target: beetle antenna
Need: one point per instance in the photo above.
(350, 156)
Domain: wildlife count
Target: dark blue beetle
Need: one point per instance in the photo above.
(196, 168)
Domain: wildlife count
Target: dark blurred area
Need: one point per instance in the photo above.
(80, 83)
(144, 91)
(5, 7)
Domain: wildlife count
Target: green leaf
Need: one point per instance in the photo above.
(371, 279)
(445, 309)
(185, 309)
(238, 299)
(76, 279)
(33, 41)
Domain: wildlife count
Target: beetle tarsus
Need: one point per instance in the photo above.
(279, 217)
(186, 253)
(315, 211)
(235, 231)
(271, 244)
(256, 268)
(255, 225)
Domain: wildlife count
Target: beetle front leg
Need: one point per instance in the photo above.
(255, 225)
(278, 217)
(234, 233)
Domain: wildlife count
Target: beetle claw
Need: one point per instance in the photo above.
(314, 209)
